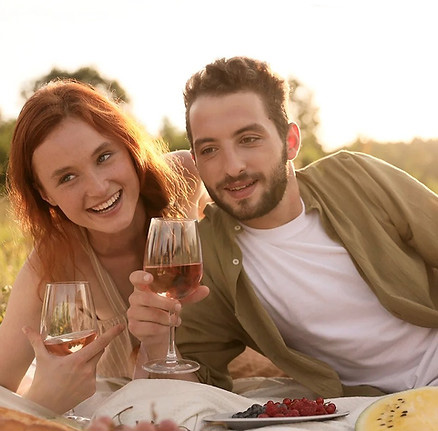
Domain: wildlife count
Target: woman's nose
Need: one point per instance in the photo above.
(96, 184)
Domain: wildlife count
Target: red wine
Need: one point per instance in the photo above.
(175, 281)
(65, 344)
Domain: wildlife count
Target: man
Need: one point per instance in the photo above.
(329, 271)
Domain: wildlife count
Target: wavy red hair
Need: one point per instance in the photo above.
(161, 185)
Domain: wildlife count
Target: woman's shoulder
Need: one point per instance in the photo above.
(197, 194)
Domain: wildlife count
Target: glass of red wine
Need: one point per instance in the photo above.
(68, 321)
(173, 256)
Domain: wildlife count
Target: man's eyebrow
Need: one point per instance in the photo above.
(254, 127)
(201, 141)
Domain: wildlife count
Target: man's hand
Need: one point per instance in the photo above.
(148, 314)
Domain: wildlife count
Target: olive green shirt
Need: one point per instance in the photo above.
(386, 220)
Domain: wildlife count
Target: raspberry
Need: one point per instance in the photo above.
(330, 408)
(288, 408)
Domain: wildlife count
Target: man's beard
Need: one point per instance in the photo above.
(276, 186)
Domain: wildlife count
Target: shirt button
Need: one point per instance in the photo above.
(236, 262)
(237, 227)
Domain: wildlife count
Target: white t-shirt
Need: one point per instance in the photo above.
(323, 307)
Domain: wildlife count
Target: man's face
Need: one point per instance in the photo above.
(239, 154)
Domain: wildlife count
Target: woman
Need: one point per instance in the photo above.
(84, 182)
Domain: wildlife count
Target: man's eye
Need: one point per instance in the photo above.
(103, 157)
(249, 139)
(206, 151)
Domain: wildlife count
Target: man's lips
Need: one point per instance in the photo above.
(238, 187)
(240, 190)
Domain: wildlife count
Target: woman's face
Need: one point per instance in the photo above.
(90, 177)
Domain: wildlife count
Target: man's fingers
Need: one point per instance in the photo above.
(140, 279)
(198, 295)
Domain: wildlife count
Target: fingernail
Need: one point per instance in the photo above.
(147, 278)
(177, 308)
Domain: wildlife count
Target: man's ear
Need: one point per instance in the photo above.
(192, 153)
(293, 141)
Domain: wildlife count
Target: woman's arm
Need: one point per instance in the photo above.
(23, 309)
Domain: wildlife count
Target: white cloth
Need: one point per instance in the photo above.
(322, 306)
(187, 403)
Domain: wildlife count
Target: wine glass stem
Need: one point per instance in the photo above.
(171, 351)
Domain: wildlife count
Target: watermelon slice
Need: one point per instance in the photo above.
(411, 410)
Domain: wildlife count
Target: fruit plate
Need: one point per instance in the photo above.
(247, 423)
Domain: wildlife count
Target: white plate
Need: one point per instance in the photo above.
(11, 400)
(246, 423)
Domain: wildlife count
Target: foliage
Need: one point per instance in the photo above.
(13, 252)
(6, 130)
(305, 114)
(173, 137)
(84, 74)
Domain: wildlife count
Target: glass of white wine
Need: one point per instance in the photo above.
(68, 321)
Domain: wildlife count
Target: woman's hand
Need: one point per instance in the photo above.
(148, 314)
(62, 382)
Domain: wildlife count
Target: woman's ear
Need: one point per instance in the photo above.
(44, 195)
(293, 141)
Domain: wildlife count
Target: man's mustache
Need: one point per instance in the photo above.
(244, 177)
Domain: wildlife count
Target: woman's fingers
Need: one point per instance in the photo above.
(36, 342)
(97, 347)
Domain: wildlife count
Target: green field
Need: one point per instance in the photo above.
(13, 252)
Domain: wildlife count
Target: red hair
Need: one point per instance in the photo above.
(50, 229)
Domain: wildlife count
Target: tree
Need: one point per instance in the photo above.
(84, 74)
(173, 137)
(6, 130)
(305, 114)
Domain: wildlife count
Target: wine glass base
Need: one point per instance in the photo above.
(164, 366)
(80, 420)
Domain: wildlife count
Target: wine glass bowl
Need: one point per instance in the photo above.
(173, 256)
(68, 318)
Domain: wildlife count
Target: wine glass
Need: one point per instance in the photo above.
(68, 321)
(173, 257)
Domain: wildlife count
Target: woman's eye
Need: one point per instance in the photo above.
(66, 178)
(103, 157)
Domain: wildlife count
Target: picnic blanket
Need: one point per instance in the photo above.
(187, 403)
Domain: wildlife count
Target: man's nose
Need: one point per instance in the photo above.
(234, 163)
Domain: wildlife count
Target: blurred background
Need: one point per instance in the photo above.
(363, 74)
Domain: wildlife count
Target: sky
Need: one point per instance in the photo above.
(372, 66)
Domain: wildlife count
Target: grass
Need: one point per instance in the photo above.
(13, 252)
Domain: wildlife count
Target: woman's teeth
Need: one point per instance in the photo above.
(109, 203)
